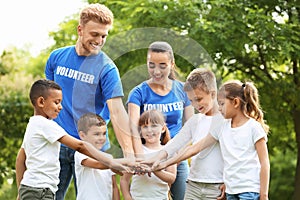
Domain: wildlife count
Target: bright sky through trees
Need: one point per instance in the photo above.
(27, 23)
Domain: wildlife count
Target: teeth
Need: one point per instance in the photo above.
(95, 46)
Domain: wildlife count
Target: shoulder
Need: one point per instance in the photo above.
(63, 50)
(257, 129)
(105, 60)
(140, 87)
(178, 83)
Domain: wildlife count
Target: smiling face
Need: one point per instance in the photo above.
(151, 132)
(202, 101)
(96, 135)
(159, 66)
(91, 38)
(49, 106)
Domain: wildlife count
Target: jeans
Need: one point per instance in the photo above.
(243, 196)
(178, 187)
(67, 171)
(33, 193)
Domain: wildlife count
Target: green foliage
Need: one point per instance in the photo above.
(247, 40)
(15, 111)
(283, 171)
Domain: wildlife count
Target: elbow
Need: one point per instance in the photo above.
(80, 147)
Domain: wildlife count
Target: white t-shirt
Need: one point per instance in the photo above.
(92, 184)
(42, 153)
(207, 166)
(241, 163)
(144, 187)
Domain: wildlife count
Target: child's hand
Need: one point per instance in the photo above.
(120, 165)
(142, 169)
(154, 161)
(223, 195)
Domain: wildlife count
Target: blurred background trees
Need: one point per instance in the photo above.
(254, 40)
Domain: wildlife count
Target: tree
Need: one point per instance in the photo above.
(246, 40)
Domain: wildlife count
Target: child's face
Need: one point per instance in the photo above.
(202, 101)
(96, 135)
(51, 106)
(152, 132)
(226, 107)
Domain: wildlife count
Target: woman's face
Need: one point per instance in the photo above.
(159, 66)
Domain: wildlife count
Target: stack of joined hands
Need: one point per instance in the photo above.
(137, 166)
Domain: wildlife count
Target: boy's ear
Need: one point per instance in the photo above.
(81, 135)
(164, 128)
(213, 94)
(40, 101)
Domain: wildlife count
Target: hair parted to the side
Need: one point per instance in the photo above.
(40, 88)
(88, 120)
(155, 117)
(248, 94)
(164, 47)
(96, 12)
(201, 78)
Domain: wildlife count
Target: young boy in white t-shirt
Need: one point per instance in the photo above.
(94, 180)
(37, 177)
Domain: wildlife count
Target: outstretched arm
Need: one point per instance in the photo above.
(187, 152)
(121, 126)
(89, 150)
(168, 174)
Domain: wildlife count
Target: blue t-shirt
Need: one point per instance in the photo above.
(87, 82)
(172, 104)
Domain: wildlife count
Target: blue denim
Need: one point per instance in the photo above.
(67, 171)
(178, 187)
(243, 196)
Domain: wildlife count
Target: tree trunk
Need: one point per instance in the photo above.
(296, 117)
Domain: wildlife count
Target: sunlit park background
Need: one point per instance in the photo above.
(255, 40)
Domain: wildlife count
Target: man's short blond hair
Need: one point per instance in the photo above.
(96, 12)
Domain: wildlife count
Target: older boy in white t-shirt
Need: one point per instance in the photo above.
(205, 180)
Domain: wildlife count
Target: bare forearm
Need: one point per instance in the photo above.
(125, 186)
(184, 154)
(116, 192)
(165, 176)
(120, 122)
(264, 181)
(20, 166)
(92, 152)
(138, 148)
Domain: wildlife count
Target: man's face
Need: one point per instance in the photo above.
(91, 38)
